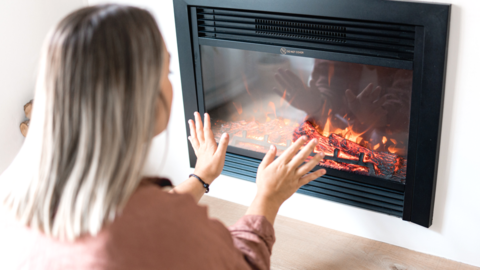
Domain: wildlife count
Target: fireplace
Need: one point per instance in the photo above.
(365, 78)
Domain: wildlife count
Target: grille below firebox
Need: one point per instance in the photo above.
(327, 187)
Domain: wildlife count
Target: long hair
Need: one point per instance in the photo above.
(94, 117)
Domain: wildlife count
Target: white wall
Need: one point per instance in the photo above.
(23, 26)
(455, 233)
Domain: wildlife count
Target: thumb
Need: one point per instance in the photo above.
(222, 145)
(268, 158)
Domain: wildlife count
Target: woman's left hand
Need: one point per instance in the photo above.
(210, 157)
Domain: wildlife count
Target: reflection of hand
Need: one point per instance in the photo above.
(210, 158)
(297, 93)
(367, 106)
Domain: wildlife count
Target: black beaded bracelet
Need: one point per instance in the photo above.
(205, 185)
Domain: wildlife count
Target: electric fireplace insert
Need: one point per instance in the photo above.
(364, 77)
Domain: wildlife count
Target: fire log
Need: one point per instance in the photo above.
(386, 165)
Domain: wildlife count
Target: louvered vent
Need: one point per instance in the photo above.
(327, 187)
(346, 36)
(307, 31)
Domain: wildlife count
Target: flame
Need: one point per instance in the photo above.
(238, 107)
(331, 71)
(394, 141)
(272, 105)
(258, 136)
(396, 150)
(283, 97)
(246, 84)
(384, 140)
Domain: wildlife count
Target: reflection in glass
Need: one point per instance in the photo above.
(359, 113)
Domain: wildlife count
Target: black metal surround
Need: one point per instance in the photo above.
(416, 38)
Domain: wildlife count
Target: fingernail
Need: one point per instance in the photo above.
(272, 147)
(224, 135)
(304, 137)
(315, 141)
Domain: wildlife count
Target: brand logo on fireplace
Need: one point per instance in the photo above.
(284, 50)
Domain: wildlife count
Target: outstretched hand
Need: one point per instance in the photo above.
(367, 106)
(297, 93)
(278, 179)
(210, 157)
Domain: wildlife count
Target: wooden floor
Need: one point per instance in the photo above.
(305, 246)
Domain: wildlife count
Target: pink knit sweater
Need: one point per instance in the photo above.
(156, 230)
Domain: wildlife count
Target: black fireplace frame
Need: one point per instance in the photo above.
(414, 200)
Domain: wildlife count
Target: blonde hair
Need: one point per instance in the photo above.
(94, 117)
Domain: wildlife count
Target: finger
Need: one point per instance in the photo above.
(376, 93)
(193, 145)
(307, 167)
(303, 154)
(311, 176)
(366, 92)
(268, 158)
(193, 133)
(282, 82)
(288, 154)
(291, 81)
(199, 126)
(207, 129)
(222, 146)
(380, 101)
(293, 77)
(351, 98)
(278, 92)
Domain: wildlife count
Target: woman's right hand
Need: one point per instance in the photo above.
(278, 179)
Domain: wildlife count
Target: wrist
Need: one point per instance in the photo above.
(267, 201)
(204, 176)
(261, 206)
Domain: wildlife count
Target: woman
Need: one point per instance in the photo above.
(74, 198)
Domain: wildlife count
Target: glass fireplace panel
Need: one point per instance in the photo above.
(359, 113)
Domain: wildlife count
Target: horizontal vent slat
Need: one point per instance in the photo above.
(349, 202)
(327, 187)
(347, 36)
(362, 199)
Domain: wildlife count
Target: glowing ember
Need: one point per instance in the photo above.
(356, 158)
(386, 165)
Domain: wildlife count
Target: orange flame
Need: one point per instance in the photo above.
(283, 97)
(272, 105)
(376, 146)
(384, 140)
(238, 107)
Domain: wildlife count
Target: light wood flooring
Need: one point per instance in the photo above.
(304, 246)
